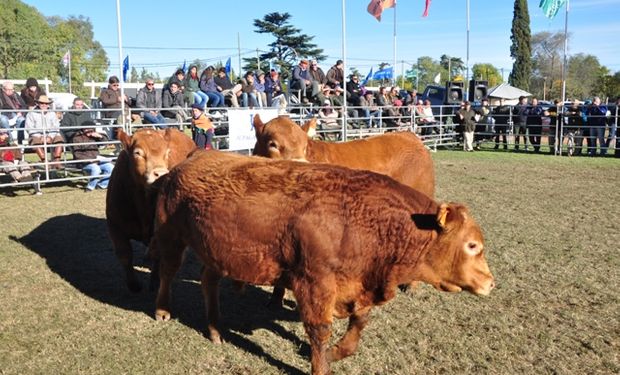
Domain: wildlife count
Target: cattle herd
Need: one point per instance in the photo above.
(340, 225)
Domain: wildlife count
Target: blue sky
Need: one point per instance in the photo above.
(161, 34)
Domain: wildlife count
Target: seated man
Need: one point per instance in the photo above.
(10, 100)
(273, 90)
(20, 172)
(111, 98)
(248, 91)
(328, 122)
(425, 116)
(225, 86)
(302, 81)
(172, 103)
(87, 151)
(44, 129)
(370, 109)
(74, 120)
(149, 99)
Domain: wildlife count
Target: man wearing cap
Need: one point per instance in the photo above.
(301, 80)
(111, 98)
(11, 101)
(468, 118)
(44, 128)
(86, 151)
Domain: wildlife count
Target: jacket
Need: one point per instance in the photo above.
(148, 99)
(71, 121)
(202, 123)
(170, 100)
(37, 121)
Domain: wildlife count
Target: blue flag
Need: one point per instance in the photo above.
(368, 76)
(125, 68)
(551, 7)
(184, 68)
(227, 67)
(384, 74)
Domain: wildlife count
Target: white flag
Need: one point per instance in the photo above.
(66, 58)
(437, 78)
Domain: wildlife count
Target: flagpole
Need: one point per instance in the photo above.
(120, 60)
(345, 114)
(394, 60)
(70, 91)
(467, 59)
(565, 52)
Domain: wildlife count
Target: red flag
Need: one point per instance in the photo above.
(376, 7)
(428, 5)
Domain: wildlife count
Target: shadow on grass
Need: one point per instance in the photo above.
(77, 248)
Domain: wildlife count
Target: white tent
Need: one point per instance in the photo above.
(505, 91)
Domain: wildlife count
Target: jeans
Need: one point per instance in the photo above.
(19, 124)
(215, 98)
(157, 119)
(249, 100)
(200, 98)
(368, 115)
(95, 170)
(598, 132)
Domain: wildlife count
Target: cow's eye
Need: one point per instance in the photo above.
(273, 144)
(473, 248)
(138, 153)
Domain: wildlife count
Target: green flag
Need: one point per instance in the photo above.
(551, 7)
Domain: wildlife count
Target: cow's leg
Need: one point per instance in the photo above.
(210, 289)
(277, 296)
(170, 258)
(316, 299)
(348, 343)
(124, 253)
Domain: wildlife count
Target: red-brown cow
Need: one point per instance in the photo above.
(400, 155)
(146, 156)
(340, 239)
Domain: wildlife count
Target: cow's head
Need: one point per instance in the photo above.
(455, 260)
(281, 138)
(148, 154)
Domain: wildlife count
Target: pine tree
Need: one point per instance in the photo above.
(521, 48)
(289, 47)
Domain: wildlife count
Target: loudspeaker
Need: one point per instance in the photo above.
(454, 92)
(477, 90)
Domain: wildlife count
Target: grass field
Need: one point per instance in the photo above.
(552, 231)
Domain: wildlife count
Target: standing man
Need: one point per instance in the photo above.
(597, 122)
(11, 101)
(534, 123)
(467, 117)
(520, 122)
(149, 99)
(501, 115)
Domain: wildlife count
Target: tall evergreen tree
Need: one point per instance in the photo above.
(288, 47)
(521, 48)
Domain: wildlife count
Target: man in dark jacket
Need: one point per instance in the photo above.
(501, 115)
(520, 122)
(467, 117)
(73, 121)
(149, 99)
(534, 123)
(11, 101)
(87, 152)
(172, 103)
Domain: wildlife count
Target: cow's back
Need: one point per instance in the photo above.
(251, 219)
(400, 155)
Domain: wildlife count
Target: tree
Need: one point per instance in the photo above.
(521, 48)
(487, 72)
(454, 66)
(586, 77)
(547, 62)
(428, 70)
(133, 75)
(33, 46)
(288, 47)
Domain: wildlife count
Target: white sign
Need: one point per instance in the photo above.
(241, 134)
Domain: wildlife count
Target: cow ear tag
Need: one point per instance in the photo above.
(442, 215)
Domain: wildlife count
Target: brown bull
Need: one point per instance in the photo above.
(342, 240)
(146, 156)
(400, 155)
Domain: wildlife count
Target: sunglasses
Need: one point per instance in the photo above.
(150, 84)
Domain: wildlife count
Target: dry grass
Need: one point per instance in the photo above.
(552, 236)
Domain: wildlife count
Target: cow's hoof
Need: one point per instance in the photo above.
(214, 336)
(134, 286)
(162, 315)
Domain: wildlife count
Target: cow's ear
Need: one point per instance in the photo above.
(258, 124)
(310, 127)
(448, 215)
(125, 139)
